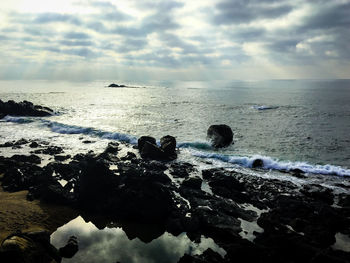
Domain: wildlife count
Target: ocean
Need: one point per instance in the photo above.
(289, 124)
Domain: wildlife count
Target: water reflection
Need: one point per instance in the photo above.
(113, 245)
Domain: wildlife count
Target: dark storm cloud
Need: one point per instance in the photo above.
(328, 16)
(322, 34)
(239, 11)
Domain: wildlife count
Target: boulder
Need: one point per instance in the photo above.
(141, 141)
(257, 163)
(152, 151)
(168, 144)
(220, 135)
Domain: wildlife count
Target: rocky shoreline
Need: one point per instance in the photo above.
(299, 223)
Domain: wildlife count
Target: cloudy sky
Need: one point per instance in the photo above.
(174, 39)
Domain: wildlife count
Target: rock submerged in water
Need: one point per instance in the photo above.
(220, 135)
(24, 108)
(150, 150)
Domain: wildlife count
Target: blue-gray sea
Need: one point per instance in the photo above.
(288, 123)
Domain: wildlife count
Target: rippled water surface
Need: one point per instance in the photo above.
(298, 121)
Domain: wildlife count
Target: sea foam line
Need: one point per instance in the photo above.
(275, 164)
(197, 149)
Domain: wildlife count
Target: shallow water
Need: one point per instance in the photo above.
(113, 244)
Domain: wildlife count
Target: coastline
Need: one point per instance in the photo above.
(249, 217)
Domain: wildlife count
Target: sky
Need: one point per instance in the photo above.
(174, 39)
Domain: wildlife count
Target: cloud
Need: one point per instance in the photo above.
(56, 17)
(180, 36)
(239, 12)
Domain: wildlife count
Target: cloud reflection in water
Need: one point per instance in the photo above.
(113, 245)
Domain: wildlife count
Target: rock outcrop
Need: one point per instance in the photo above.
(24, 108)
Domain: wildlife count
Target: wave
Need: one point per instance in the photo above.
(19, 120)
(72, 129)
(264, 107)
(195, 145)
(198, 149)
(275, 164)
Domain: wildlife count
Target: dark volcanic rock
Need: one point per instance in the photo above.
(51, 150)
(220, 135)
(24, 108)
(168, 145)
(193, 182)
(152, 151)
(143, 139)
(149, 149)
(258, 163)
(33, 145)
(28, 247)
(70, 249)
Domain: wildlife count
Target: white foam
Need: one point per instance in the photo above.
(275, 164)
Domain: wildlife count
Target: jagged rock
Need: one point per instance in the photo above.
(168, 145)
(70, 249)
(220, 135)
(141, 141)
(24, 108)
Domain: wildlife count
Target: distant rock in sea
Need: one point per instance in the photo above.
(24, 108)
(113, 85)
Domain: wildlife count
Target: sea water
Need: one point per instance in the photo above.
(289, 124)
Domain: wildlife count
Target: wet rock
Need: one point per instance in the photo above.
(33, 159)
(70, 249)
(181, 169)
(220, 135)
(51, 150)
(152, 151)
(112, 147)
(87, 141)
(258, 163)
(28, 247)
(193, 182)
(24, 108)
(168, 145)
(318, 192)
(62, 157)
(143, 139)
(6, 144)
(33, 145)
(129, 156)
(55, 193)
